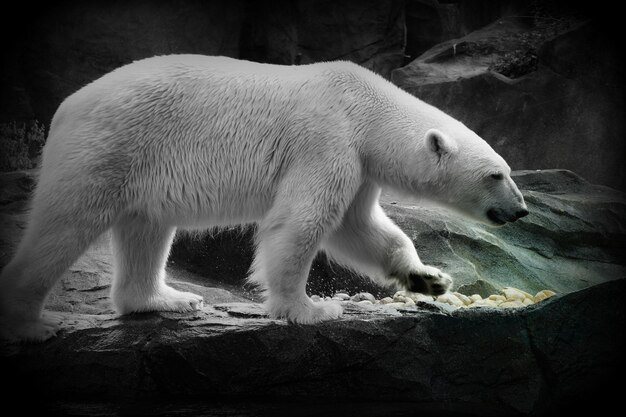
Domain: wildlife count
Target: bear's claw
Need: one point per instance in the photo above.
(427, 280)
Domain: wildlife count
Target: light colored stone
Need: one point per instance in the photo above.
(513, 294)
(363, 296)
(316, 298)
(387, 300)
(497, 298)
(365, 302)
(464, 298)
(451, 299)
(342, 296)
(327, 298)
(418, 297)
(543, 295)
(475, 297)
(396, 305)
(511, 304)
(399, 298)
(338, 299)
(483, 303)
(527, 301)
(409, 302)
(479, 304)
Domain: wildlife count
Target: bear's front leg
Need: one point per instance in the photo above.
(281, 267)
(424, 279)
(368, 241)
(308, 206)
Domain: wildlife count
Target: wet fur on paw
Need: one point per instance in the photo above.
(427, 280)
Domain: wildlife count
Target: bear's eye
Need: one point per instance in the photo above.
(497, 176)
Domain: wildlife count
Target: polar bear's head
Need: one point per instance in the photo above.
(470, 177)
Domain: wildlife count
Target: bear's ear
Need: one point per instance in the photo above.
(439, 143)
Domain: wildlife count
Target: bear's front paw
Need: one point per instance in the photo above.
(427, 280)
(305, 311)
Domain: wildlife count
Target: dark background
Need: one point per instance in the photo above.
(567, 112)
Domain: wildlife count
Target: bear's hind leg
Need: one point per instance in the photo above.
(52, 242)
(140, 250)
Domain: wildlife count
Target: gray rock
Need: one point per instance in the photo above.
(370, 32)
(74, 43)
(529, 361)
(574, 237)
(541, 120)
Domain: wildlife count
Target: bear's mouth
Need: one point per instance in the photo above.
(494, 216)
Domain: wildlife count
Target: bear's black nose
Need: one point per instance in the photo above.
(521, 213)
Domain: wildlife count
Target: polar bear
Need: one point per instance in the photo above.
(190, 141)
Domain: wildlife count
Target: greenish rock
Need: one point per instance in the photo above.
(480, 287)
(574, 237)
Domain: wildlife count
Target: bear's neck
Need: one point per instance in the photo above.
(392, 143)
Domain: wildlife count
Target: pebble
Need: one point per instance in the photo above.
(399, 298)
(510, 298)
(543, 295)
(513, 294)
(451, 299)
(497, 297)
(363, 296)
(511, 304)
(398, 293)
(464, 298)
(478, 304)
(417, 297)
(341, 296)
(486, 302)
(396, 305)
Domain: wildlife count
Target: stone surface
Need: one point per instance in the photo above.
(62, 47)
(370, 32)
(566, 114)
(430, 22)
(573, 237)
(538, 359)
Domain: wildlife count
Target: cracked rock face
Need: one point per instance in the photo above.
(539, 359)
(572, 101)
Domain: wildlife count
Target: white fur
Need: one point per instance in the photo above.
(194, 141)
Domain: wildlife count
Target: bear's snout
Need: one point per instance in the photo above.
(521, 213)
(500, 217)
